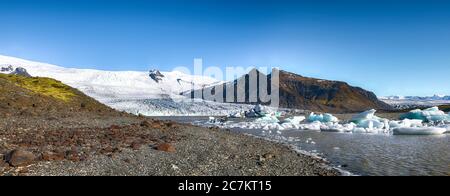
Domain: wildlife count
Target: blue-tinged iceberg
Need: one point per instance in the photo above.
(325, 118)
(428, 115)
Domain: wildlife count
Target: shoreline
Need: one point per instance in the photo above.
(326, 163)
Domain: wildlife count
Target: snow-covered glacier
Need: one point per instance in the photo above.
(132, 91)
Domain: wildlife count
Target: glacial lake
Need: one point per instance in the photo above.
(365, 154)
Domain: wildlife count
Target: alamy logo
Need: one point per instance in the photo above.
(240, 85)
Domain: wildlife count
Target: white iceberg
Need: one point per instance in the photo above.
(349, 127)
(428, 115)
(367, 115)
(447, 127)
(406, 123)
(322, 118)
(419, 131)
(267, 119)
(293, 123)
(314, 126)
(237, 115)
(369, 121)
(295, 120)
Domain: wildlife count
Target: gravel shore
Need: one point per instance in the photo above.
(125, 146)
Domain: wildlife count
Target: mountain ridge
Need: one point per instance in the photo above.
(299, 92)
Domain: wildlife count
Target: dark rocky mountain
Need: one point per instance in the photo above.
(6, 68)
(9, 69)
(156, 75)
(445, 108)
(20, 72)
(306, 93)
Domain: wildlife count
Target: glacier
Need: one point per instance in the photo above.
(132, 91)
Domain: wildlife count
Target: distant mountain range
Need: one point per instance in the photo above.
(418, 98)
(411, 102)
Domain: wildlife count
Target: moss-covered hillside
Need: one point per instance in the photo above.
(43, 96)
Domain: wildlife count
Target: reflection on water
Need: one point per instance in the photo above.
(371, 154)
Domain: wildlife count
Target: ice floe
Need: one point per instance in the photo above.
(406, 123)
(322, 118)
(428, 115)
(365, 122)
(419, 131)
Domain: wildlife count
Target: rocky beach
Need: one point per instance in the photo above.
(127, 145)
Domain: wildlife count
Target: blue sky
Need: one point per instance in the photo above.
(389, 47)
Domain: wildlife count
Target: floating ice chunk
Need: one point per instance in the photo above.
(322, 117)
(359, 130)
(338, 127)
(419, 131)
(314, 126)
(272, 126)
(367, 115)
(428, 115)
(447, 127)
(237, 115)
(267, 119)
(296, 120)
(372, 124)
(406, 123)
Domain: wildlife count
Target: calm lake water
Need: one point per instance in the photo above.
(367, 154)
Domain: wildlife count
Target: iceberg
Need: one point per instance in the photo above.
(338, 127)
(322, 118)
(419, 131)
(314, 126)
(236, 115)
(373, 124)
(447, 127)
(295, 120)
(406, 123)
(369, 121)
(428, 115)
(367, 115)
(293, 123)
(267, 119)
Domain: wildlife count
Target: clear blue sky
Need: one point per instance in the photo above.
(389, 47)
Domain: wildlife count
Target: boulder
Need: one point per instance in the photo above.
(166, 147)
(20, 157)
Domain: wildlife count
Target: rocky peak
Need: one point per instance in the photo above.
(156, 75)
(9, 69)
(6, 68)
(21, 72)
